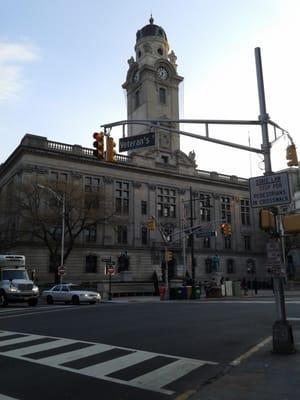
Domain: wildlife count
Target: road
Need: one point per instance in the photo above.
(151, 350)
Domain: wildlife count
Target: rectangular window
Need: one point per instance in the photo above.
(92, 184)
(204, 207)
(144, 235)
(227, 242)
(144, 207)
(245, 212)
(230, 267)
(90, 234)
(206, 242)
(225, 209)
(91, 201)
(247, 242)
(166, 202)
(122, 234)
(91, 264)
(208, 265)
(122, 197)
(137, 99)
(162, 96)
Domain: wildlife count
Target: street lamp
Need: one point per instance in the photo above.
(61, 199)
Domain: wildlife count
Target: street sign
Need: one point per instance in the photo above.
(106, 259)
(274, 253)
(110, 270)
(269, 190)
(137, 141)
(61, 270)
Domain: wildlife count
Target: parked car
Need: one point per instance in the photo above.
(70, 293)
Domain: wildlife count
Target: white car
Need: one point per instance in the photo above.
(70, 293)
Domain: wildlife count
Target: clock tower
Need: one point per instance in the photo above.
(152, 91)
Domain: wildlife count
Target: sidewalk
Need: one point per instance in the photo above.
(148, 299)
(262, 376)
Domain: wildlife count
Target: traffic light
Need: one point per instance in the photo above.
(222, 228)
(291, 155)
(225, 229)
(267, 220)
(169, 255)
(228, 230)
(151, 224)
(110, 149)
(99, 145)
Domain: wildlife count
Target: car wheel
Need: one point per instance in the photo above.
(75, 300)
(32, 302)
(49, 300)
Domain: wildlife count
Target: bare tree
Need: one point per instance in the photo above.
(40, 215)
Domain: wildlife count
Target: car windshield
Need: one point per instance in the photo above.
(14, 274)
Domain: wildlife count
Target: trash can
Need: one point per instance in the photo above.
(196, 292)
(173, 293)
(162, 292)
(181, 293)
(189, 292)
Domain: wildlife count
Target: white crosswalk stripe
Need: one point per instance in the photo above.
(155, 379)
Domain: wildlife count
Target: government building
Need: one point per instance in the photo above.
(157, 183)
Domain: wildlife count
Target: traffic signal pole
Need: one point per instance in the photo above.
(283, 341)
(192, 237)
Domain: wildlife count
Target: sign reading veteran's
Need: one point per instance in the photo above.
(137, 141)
(269, 190)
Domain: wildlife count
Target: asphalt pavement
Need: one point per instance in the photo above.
(260, 374)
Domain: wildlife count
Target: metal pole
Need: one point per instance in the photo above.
(109, 291)
(192, 237)
(283, 341)
(62, 234)
(263, 117)
(167, 294)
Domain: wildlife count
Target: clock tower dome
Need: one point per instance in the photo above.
(152, 90)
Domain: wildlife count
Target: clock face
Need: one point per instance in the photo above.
(136, 76)
(162, 73)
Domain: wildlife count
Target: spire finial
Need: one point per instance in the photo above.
(151, 20)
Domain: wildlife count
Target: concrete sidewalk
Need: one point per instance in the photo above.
(261, 376)
(250, 296)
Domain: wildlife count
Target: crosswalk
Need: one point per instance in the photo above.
(126, 366)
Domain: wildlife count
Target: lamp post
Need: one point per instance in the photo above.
(62, 200)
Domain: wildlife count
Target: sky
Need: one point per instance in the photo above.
(62, 64)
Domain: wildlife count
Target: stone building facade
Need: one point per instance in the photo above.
(155, 181)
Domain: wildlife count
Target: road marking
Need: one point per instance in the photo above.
(155, 379)
(163, 376)
(293, 318)
(250, 352)
(63, 308)
(3, 397)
